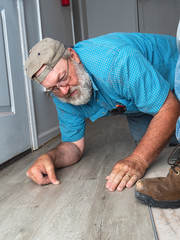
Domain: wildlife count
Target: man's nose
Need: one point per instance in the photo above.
(64, 90)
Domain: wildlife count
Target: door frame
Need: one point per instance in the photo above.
(24, 48)
(28, 85)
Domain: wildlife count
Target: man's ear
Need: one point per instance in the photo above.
(74, 55)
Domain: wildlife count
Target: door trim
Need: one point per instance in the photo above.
(28, 86)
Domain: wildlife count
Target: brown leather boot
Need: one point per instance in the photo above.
(163, 192)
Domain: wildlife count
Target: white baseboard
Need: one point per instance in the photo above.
(48, 135)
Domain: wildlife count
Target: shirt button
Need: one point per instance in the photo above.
(103, 112)
(97, 100)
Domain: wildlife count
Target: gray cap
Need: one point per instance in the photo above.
(46, 52)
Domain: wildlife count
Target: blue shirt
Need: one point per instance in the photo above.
(133, 69)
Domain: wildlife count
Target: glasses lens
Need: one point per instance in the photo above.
(55, 89)
(62, 82)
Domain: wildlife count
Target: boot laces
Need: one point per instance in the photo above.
(174, 159)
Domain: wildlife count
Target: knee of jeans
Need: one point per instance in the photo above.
(178, 130)
(137, 138)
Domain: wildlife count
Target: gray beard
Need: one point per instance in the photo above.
(84, 89)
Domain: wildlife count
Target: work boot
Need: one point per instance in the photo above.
(163, 192)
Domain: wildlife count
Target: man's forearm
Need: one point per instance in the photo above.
(65, 154)
(159, 131)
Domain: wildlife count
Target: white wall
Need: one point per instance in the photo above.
(159, 16)
(104, 16)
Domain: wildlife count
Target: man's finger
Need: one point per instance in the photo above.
(114, 179)
(51, 174)
(123, 182)
(109, 180)
(113, 174)
(132, 181)
(127, 181)
(36, 178)
(114, 183)
(107, 177)
(45, 180)
(116, 171)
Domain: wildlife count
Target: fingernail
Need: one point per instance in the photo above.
(56, 182)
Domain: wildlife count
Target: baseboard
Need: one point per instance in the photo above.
(48, 135)
(12, 160)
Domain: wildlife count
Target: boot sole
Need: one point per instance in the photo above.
(153, 203)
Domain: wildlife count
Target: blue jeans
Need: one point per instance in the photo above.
(139, 124)
(177, 83)
(177, 91)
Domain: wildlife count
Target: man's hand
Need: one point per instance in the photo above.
(43, 171)
(63, 155)
(126, 172)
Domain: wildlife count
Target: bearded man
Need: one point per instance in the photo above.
(118, 73)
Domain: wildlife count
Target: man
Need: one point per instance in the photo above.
(127, 73)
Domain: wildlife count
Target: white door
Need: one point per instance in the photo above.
(14, 127)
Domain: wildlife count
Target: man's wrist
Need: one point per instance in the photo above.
(140, 160)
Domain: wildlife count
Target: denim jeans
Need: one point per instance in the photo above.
(177, 81)
(177, 92)
(139, 124)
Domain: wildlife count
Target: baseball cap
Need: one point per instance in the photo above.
(46, 52)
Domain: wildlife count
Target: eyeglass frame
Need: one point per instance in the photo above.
(58, 84)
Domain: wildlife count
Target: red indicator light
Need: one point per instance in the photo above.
(65, 3)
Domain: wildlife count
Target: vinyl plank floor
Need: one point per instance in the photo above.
(166, 220)
(80, 208)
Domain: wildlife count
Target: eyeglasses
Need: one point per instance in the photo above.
(61, 83)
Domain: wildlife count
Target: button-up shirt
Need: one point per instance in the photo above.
(131, 69)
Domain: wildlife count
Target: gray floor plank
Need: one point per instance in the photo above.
(80, 208)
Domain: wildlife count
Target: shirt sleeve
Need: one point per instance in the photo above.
(136, 79)
(72, 125)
